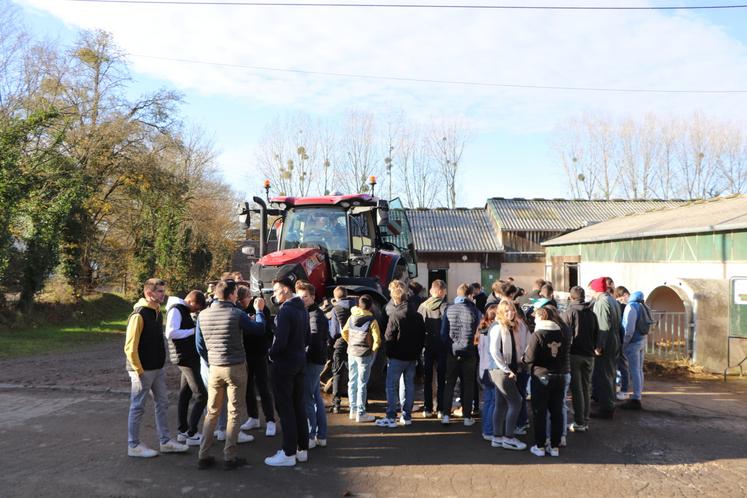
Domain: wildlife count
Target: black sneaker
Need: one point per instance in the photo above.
(205, 463)
(632, 404)
(234, 464)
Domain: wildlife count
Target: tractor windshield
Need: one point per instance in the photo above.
(313, 226)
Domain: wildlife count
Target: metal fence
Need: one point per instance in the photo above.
(670, 336)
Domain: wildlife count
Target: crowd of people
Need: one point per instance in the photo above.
(521, 351)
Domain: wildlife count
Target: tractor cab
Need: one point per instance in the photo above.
(356, 241)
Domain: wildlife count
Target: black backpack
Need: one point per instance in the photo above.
(644, 321)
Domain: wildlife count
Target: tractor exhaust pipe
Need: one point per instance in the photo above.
(262, 225)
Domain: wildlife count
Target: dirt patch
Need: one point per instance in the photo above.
(681, 369)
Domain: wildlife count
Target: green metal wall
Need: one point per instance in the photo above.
(709, 247)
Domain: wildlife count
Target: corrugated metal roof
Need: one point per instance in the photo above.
(714, 215)
(563, 215)
(453, 230)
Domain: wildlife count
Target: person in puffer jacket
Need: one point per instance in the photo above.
(546, 356)
(404, 337)
(180, 331)
(316, 357)
(458, 330)
(363, 336)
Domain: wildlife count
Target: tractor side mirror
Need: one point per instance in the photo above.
(244, 214)
(382, 213)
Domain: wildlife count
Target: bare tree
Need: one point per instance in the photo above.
(359, 152)
(448, 138)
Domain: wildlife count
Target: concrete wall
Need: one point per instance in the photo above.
(523, 273)
(647, 276)
(461, 273)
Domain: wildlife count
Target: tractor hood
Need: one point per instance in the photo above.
(289, 256)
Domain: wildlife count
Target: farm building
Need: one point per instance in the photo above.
(687, 260)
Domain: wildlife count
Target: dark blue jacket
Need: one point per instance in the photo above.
(316, 352)
(458, 327)
(292, 333)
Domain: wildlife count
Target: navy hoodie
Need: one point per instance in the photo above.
(288, 349)
(405, 332)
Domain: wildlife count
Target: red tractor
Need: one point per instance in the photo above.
(356, 241)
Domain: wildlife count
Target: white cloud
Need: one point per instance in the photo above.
(592, 49)
(623, 49)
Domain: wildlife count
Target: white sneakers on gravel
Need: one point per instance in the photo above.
(244, 438)
(302, 456)
(511, 443)
(405, 421)
(280, 459)
(219, 435)
(386, 422)
(536, 451)
(445, 420)
(469, 422)
(173, 447)
(312, 443)
(195, 440)
(322, 443)
(251, 423)
(141, 451)
(270, 430)
(497, 442)
(364, 417)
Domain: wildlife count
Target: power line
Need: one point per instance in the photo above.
(412, 5)
(446, 82)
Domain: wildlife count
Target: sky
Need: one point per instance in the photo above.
(513, 131)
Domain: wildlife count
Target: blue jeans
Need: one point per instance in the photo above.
(151, 381)
(634, 352)
(395, 370)
(488, 403)
(359, 369)
(312, 395)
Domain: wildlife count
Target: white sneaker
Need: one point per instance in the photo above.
(141, 451)
(251, 423)
(540, 452)
(621, 396)
(469, 422)
(364, 417)
(173, 447)
(312, 444)
(511, 443)
(563, 442)
(244, 438)
(520, 431)
(487, 437)
(182, 437)
(195, 440)
(219, 435)
(302, 456)
(405, 421)
(439, 415)
(351, 415)
(280, 459)
(270, 430)
(497, 442)
(386, 422)
(322, 443)
(554, 452)
(445, 420)
(427, 414)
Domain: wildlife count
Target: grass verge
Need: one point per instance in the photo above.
(60, 327)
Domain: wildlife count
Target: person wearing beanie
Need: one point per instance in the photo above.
(607, 349)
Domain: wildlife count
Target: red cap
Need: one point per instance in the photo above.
(599, 284)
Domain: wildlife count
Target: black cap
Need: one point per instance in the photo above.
(286, 276)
